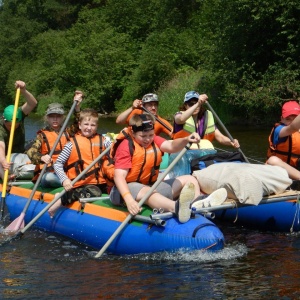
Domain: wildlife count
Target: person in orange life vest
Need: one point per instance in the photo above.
(135, 173)
(19, 134)
(284, 140)
(149, 102)
(194, 117)
(39, 151)
(82, 149)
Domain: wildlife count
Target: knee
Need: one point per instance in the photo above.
(274, 160)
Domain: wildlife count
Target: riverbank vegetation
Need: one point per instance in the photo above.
(243, 53)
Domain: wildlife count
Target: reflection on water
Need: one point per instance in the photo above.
(253, 265)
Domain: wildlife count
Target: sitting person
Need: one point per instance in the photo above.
(137, 156)
(76, 155)
(19, 134)
(39, 151)
(150, 103)
(193, 116)
(284, 140)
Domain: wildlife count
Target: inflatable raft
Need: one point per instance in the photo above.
(93, 223)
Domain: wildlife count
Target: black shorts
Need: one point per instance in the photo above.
(85, 191)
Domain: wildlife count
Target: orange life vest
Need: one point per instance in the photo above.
(49, 138)
(288, 151)
(189, 127)
(145, 162)
(84, 152)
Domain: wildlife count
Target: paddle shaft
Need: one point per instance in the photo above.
(64, 191)
(9, 150)
(229, 205)
(144, 199)
(50, 154)
(157, 119)
(225, 129)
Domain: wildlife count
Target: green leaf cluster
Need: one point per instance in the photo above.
(244, 54)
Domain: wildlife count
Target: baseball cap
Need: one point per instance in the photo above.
(9, 112)
(190, 95)
(290, 108)
(149, 98)
(55, 108)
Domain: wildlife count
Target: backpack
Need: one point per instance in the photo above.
(207, 160)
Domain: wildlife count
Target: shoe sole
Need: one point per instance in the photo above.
(216, 198)
(186, 197)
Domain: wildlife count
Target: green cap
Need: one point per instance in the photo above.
(9, 112)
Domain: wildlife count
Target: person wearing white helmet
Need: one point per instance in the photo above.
(149, 104)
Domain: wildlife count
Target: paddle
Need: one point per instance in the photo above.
(234, 204)
(10, 144)
(19, 222)
(225, 129)
(157, 119)
(144, 199)
(58, 196)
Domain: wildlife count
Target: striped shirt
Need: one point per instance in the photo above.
(61, 160)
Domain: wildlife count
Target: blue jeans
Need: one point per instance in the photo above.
(50, 180)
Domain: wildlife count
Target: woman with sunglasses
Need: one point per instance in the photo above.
(193, 117)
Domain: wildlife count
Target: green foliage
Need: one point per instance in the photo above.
(244, 54)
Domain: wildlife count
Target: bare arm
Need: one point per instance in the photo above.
(121, 184)
(291, 128)
(78, 96)
(172, 146)
(3, 161)
(121, 119)
(182, 117)
(31, 102)
(224, 140)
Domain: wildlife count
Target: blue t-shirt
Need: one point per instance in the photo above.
(276, 139)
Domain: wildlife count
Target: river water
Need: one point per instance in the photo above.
(253, 264)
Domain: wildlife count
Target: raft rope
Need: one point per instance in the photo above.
(296, 214)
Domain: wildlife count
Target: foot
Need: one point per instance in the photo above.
(52, 210)
(183, 205)
(216, 198)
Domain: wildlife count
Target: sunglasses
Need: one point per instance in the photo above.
(191, 103)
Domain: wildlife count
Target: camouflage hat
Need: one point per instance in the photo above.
(9, 112)
(149, 98)
(55, 108)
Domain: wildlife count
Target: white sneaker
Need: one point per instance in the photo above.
(216, 198)
(183, 205)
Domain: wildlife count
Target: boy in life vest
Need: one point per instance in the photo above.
(134, 173)
(82, 149)
(284, 140)
(39, 151)
(19, 134)
(150, 103)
